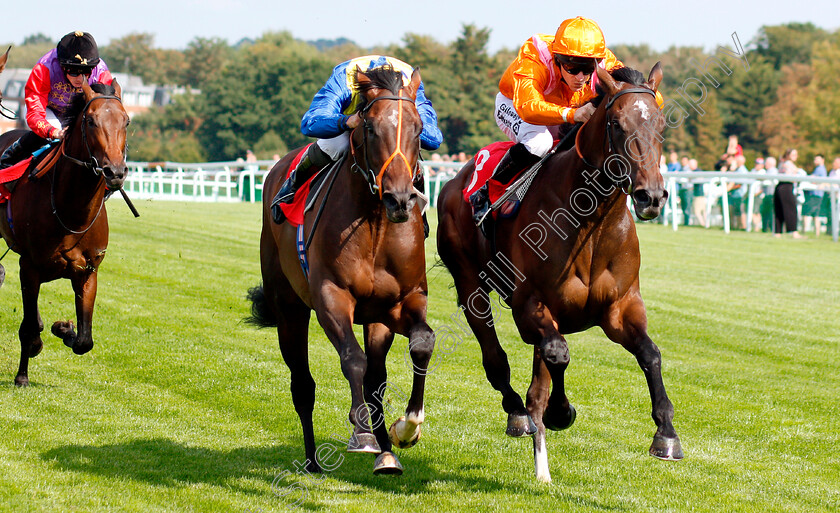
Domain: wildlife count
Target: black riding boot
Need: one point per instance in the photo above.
(517, 158)
(314, 160)
(20, 149)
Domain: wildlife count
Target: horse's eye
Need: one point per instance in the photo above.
(90, 122)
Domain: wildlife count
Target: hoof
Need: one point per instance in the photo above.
(668, 449)
(563, 422)
(81, 349)
(387, 463)
(2, 274)
(65, 330)
(363, 442)
(520, 425)
(397, 441)
(21, 381)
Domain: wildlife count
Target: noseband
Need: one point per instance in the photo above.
(375, 179)
(92, 164)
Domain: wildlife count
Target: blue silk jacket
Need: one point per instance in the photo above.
(339, 99)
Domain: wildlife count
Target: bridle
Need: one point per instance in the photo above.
(92, 163)
(373, 178)
(608, 137)
(4, 110)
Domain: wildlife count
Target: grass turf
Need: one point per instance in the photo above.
(182, 407)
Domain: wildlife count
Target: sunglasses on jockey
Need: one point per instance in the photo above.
(573, 68)
(75, 72)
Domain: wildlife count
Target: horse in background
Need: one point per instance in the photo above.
(366, 265)
(58, 223)
(569, 260)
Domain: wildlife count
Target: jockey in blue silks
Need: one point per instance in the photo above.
(332, 115)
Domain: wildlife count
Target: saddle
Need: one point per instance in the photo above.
(37, 166)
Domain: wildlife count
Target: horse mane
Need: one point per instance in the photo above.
(77, 104)
(383, 77)
(627, 75)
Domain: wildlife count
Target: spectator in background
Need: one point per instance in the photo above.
(698, 202)
(814, 198)
(683, 190)
(757, 169)
(733, 149)
(250, 157)
(768, 189)
(784, 199)
(834, 173)
(737, 191)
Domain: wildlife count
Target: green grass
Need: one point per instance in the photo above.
(182, 407)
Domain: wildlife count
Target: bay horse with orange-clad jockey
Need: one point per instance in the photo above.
(569, 260)
(58, 223)
(366, 265)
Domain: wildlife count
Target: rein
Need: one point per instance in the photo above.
(4, 110)
(375, 179)
(608, 133)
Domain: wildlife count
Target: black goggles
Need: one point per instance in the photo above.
(75, 72)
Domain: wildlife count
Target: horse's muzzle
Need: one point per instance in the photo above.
(114, 176)
(648, 203)
(398, 205)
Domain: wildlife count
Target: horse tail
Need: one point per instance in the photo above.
(261, 315)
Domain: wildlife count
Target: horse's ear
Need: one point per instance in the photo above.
(87, 90)
(4, 59)
(414, 85)
(117, 88)
(655, 76)
(607, 81)
(363, 82)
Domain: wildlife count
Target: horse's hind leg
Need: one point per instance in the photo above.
(626, 324)
(293, 335)
(31, 326)
(378, 340)
(475, 303)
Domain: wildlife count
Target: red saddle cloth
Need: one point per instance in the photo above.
(294, 210)
(486, 161)
(10, 174)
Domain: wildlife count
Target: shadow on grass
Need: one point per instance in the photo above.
(162, 462)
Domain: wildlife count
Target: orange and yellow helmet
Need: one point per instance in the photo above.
(579, 37)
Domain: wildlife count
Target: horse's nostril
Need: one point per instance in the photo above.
(641, 196)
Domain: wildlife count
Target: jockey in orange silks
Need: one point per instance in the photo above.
(548, 84)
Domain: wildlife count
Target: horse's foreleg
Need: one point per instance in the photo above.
(378, 340)
(334, 307)
(405, 432)
(537, 326)
(626, 324)
(31, 326)
(84, 287)
(537, 401)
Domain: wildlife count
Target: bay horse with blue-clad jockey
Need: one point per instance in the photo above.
(58, 223)
(366, 265)
(569, 260)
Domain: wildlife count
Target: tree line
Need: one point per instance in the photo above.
(254, 93)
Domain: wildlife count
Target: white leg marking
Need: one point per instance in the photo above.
(541, 458)
(405, 430)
